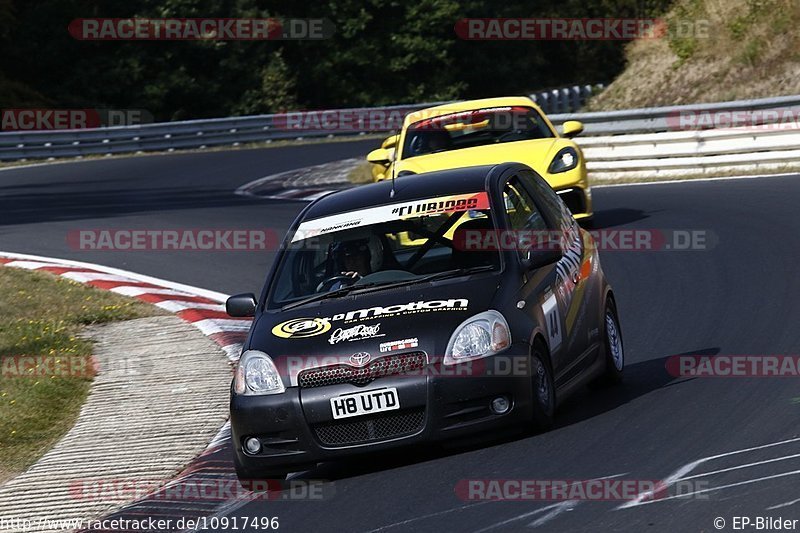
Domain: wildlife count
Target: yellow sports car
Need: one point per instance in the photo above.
(489, 131)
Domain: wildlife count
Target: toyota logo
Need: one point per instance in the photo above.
(360, 358)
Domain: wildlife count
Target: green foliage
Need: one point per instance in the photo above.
(682, 25)
(383, 52)
(751, 52)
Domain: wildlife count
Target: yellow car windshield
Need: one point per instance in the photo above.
(477, 127)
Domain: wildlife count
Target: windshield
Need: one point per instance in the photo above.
(382, 245)
(474, 128)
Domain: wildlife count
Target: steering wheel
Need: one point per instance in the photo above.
(327, 285)
(509, 135)
(416, 145)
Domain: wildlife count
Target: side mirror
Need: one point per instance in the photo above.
(540, 258)
(379, 156)
(390, 142)
(241, 305)
(571, 128)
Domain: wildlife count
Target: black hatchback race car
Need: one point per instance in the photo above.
(449, 304)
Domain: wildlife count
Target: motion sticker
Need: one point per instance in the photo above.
(300, 328)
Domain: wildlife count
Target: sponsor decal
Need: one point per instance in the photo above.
(356, 333)
(552, 321)
(300, 328)
(385, 213)
(404, 344)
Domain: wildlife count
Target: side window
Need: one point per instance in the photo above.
(554, 208)
(521, 209)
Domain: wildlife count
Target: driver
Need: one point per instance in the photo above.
(438, 141)
(352, 258)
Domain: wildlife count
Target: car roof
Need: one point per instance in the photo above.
(413, 187)
(456, 107)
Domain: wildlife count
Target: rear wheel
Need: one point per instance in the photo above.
(543, 390)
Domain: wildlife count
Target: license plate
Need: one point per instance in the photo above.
(364, 403)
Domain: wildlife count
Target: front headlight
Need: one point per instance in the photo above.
(566, 159)
(256, 374)
(482, 335)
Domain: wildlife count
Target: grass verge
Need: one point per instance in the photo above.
(42, 315)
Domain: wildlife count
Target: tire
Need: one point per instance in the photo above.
(613, 347)
(543, 391)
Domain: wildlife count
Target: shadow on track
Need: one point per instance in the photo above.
(620, 216)
(41, 207)
(640, 379)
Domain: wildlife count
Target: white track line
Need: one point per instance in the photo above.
(529, 514)
(786, 504)
(739, 467)
(555, 510)
(721, 487)
(682, 471)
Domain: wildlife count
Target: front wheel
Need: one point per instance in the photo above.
(612, 344)
(543, 391)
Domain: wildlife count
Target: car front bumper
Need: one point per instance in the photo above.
(297, 430)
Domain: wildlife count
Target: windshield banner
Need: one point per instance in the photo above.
(385, 213)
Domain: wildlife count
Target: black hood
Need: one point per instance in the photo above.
(420, 316)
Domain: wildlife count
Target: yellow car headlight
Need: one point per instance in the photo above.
(566, 159)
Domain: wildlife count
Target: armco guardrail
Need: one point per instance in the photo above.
(199, 134)
(709, 152)
(613, 149)
(192, 134)
(658, 119)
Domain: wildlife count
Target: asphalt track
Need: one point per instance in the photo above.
(739, 296)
